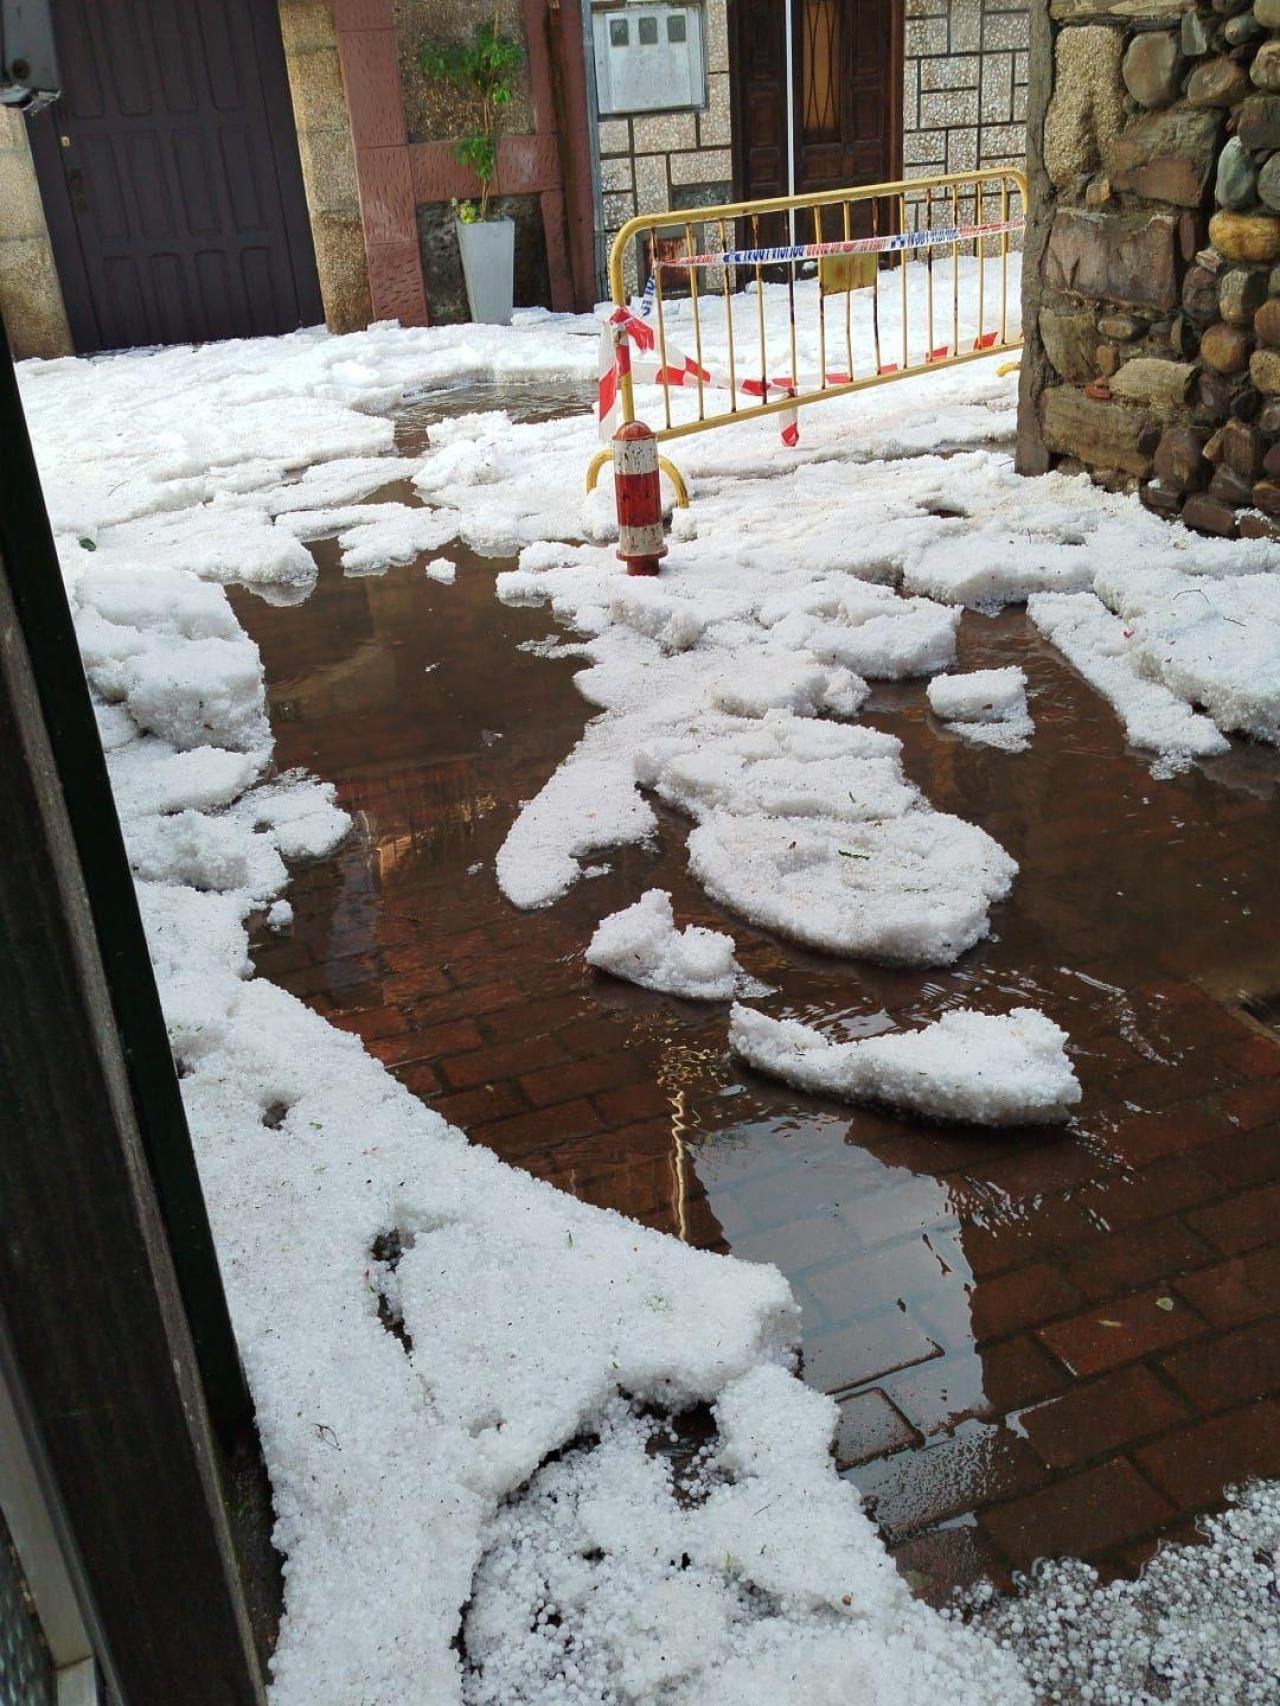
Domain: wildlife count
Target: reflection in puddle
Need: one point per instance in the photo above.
(928, 1260)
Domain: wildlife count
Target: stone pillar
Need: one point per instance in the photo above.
(328, 161)
(30, 295)
(1151, 302)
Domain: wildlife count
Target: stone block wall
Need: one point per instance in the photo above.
(1151, 294)
(678, 160)
(30, 295)
(966, 66)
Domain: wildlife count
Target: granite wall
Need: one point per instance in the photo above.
(1151, 295)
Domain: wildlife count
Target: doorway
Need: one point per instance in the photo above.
(846, 61)
(170, 175)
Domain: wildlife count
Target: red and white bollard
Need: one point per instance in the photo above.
(639, 493)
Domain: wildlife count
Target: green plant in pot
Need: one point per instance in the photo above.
(485, 68)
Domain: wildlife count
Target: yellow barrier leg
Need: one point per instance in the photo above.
(596, 463)
(668, 468)
(677, 481)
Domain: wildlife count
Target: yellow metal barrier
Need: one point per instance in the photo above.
(967, 217)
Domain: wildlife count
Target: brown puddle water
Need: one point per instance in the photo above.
(1041, 1343)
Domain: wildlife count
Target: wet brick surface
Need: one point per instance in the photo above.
(1061, 1342)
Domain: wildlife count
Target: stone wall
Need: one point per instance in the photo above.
(677, 160)
(965, 85)
(1151, 293)
(30, 295)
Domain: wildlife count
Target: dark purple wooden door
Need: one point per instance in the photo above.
(847, 70)
(170, 174)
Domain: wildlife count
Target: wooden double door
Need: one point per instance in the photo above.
(170, 174)
(846, 68)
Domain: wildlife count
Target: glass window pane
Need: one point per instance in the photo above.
(676, 27)
(618, 34)
(648, 31)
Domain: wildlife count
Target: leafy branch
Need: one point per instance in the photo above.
(486, 68)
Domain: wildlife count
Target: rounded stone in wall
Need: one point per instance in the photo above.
(1269, 182)
(1266, 322)
(1267, 12)
(1264, 370)
(1242, 30)
(1237, 179)
(1246, 236)
(1265, 70)
(1226, 348)
(1217, 83)
(1152, 68)
(1241, 292)
(1200, 294)
(1180, 461)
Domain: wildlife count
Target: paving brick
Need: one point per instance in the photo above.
(1167, 1187)
(1128, 1259)
(579, 1078)
(374, 1022)
(917, 1489)
(467, 1003)
(1243, 1223)
(1252, 1057)
(869, 1426)
(851, 1356)
(940, 1560)
(1025, 1298)
(893, 1274)
(468, 1108)
(1241, 1289)
(521, 1135)
(1120, 1331)
(1253, 1104)
(1185, 1127)
(795, 1245)
(1249, 1158)
(420, 1077)
(1231, 1369)
(967, 1384)
(500, 1060)
(433, 1043)
(1104, 1416)
(1047, 1227)
(527, 1018)
(643, 1141)
(637, 1101)
(1078, 1517)
(1194, 1466)
(1018, 1371)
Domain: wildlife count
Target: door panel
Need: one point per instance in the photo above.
(847, 62)
(170, 174)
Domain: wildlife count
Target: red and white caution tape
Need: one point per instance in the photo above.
(628, 344)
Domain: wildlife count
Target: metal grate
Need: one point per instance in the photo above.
(26, 1669)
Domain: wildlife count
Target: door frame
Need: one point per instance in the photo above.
(897, 72)
(64, 234)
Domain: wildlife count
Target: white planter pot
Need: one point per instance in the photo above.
(488, 265)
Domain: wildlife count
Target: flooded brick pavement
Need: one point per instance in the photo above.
(1041, 1343)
